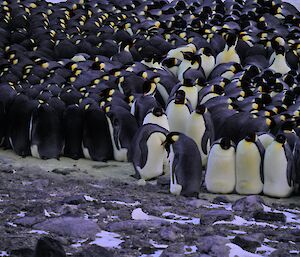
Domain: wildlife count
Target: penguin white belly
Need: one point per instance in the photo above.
(248, 163)
(195, 130)
(220, 172)
(229, 55)
(132, 108)
(228, 75)
(160, 121)
(34, 151)
(155, 157)
(279, 65)
(175, 188)
(119, 154)
(265, 140)
(185, 65)
(208, 64)
(191, 93)
(275, 172)
(86, 152)
(177, 117)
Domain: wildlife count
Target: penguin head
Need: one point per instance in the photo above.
(231, 39)
(279, 50)
(171, 138)
(200, 109)
(179, 97)
(225, 143)
(149, 87)
(158, 111)
(207, 51)
(288, 125)
(251, 137)
(280, 138)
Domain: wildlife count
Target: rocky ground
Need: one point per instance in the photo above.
(97, 209)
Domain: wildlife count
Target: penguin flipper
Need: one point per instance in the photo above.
(210, 127)
(204, 141)
(261, 150)
(290, 164)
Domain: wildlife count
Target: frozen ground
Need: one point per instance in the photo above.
(98, 208)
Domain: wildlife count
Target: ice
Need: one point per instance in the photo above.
(235, 250)
(89, 198)
(40, 232)
(107, 239)
(136, 203)
(239, 221)
(190, 249)
(157, 245)
(3, 253)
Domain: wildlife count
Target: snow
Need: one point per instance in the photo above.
(226, 206)
(11, 224)
(157, 245)
(266, 250)
(294, 252)
(155, 254)
(138, 214)
(40, 232)
(239, 232)
(190, 249)
(21, 214)
(235, 250)
(239, 221)
(136, 203)
(107, 239)
(89, 198)
(3, 253)
(290, 217)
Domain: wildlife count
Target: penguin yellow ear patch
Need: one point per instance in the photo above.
(86, 107)
(174, 138)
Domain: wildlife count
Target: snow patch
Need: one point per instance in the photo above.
(226, 206)
(239, 232)
(157, 245)
(294, 252)
(235, 250)
(3, 253)
(136, 203)
(190, 249)
(89, 198)
(107, 239)
(290, 217)
(21, 214)
(155, 254)
(11, 224)
(40, 232)
(266, 250)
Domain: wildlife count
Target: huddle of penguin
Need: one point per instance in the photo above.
(166, 85)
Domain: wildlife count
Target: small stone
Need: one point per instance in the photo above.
(197, 203)
(249, 242)
(47, 246)
(141, 182)
(170, 233)
(29, 221)
(174, 250)
(248, 205)
(220, 199)
(213, 246)
(63, 171)
(94, 251)
(269, 216)
(74, 199)
(212, 216)
(69, 226)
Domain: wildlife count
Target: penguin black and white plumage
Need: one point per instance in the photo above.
(279, 168)
(122, 127)
(96, 140)
(157, 116)
(19, 116)
(46, 135)
(178, 112)
(185, 164)
(147, 151)
(279, 63)
(220, 171)
(200, 129)
(249, 165)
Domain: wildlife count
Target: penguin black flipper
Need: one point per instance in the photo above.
(290, 164)
(204, 141)
(261, 150)
(296, 153)
(210, 127)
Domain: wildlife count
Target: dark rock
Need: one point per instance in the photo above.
(220, 199)
(22, 252)
(130, 226)
(29, 221)
(269, 216)
(213, 245)
(211, 216)
(70, 226)
(248, 205)
(197, 203)
(249, 242)
(63, 171)
(94, 251)
(174, 250)
(280, 253)
(74, 199)
(170, 233)
(49, 247)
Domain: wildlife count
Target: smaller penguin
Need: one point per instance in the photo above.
(220, 171)
(279, 168)
(185, 164)
(229, 54)
(157, 116)
(147, 151)
(249, 165)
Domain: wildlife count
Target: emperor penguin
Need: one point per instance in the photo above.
(190, 61)
(278, 168)
(178, 112)
(147, 151)
(280, 64)
(229, 54)
(265, 138)
(200, 129)
(157, 116)
(220, 171)
(191, 92)
(185, 164)
(208, 60)
(249, 165)
(178, 52)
